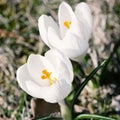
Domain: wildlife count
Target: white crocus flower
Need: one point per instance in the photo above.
(48, 77)
(74, 30)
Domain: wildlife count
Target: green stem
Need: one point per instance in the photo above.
(95, 117)
(65, 111)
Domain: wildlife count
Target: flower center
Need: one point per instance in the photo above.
(47, 75)
(67, 24)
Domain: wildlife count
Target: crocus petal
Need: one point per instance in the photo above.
(44, 22)
(53, 35)
(61, 90)
(36, 64)
(33, 89)
(53, 94)
(84, 15)
(29, 81)
(65, 74)
(74, 33)
(77, 28)
(72, 45)
(22, 77)
(77, 48)
(80, 57)
(28, 84)
(65, 13)
(56, 42)
(55, 57)
(39, 92)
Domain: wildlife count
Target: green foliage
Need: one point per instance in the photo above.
(93, 117)
(21, 106)
(117, 8)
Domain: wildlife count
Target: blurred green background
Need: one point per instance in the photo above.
(19, 37)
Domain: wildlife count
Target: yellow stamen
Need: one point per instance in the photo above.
(47, 75)
(67, 24)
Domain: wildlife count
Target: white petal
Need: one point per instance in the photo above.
(77, 46)
(65, 73)
(28, 84)
(67, 42)
(44, 22)
(53, 36)
(35, 90)
(39, 92)
(36, 64)
(60, 63)
(65, 13)
(84, 16)
(77, 29)
(22, 77)
(51, 94)
(61, 89)
(83, 11)
(54, 58)
(72, 45)
(80, 57)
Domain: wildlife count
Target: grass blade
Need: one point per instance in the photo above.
(94, 117)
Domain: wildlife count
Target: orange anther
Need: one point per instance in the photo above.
(47, 75)
(67, 24)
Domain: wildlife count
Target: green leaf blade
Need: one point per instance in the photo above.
(94, 117)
